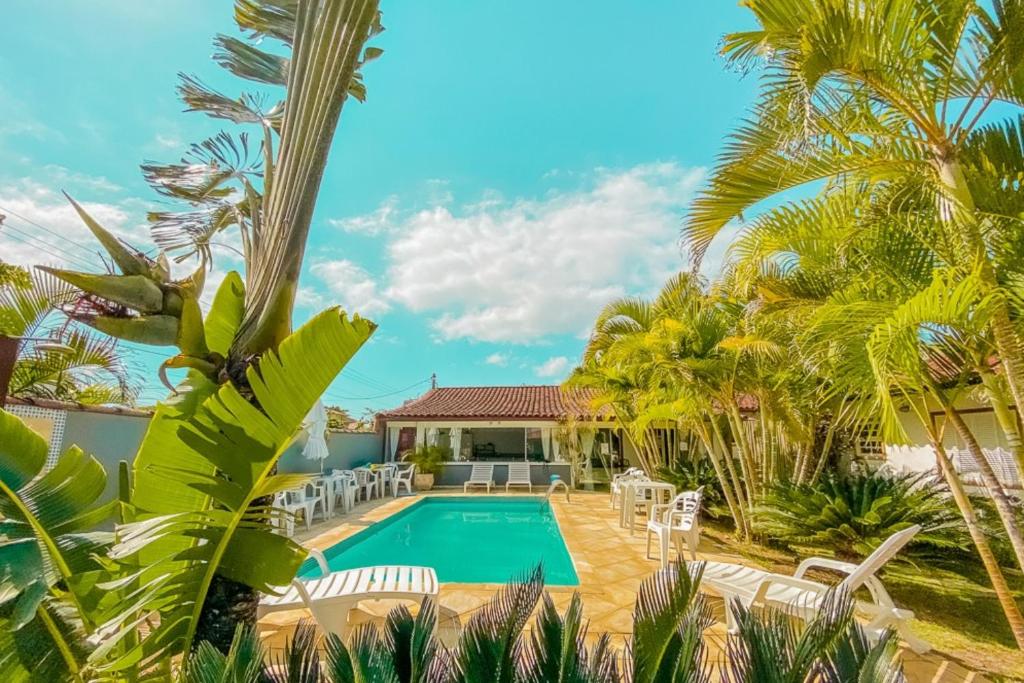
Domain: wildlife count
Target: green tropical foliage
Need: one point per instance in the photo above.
(689, 473)
(49, 549)
(850, 515)
(194, 514)
(429, 459)
(666, 645)
(77, 366)
(267, 194)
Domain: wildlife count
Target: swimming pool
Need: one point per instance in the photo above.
(465, 540)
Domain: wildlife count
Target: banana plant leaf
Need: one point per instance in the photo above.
(47, 539)
(224, 454)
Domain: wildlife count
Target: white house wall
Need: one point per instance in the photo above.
(917, 455)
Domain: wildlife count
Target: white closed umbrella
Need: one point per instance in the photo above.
(315, 425)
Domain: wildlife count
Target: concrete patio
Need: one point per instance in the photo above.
(610, 564)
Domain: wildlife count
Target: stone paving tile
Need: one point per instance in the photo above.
(610, 563)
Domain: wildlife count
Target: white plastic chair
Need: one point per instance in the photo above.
(386, 478)
(308, 498)
(802, 597)
(677, 521)
(287, 511)
(366, 482)
(403, 477)
(618, 480)
(344, 482)
(640, 495)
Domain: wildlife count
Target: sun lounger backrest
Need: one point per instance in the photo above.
(876, 560)
(519, 471)
(481, 472)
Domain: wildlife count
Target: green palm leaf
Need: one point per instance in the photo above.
(668, 626)
(220, 458)
(491, 643)
(47, 542)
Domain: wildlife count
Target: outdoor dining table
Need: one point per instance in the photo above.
(646, 493)
(333, 484)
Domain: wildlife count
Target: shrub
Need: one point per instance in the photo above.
(428, 459)
(688, 474)
(851, 515)
(667, 644)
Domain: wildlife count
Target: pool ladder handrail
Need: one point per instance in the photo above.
(554, 485)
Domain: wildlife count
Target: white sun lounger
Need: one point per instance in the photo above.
(482, 474)
(802, 597)
(331, 597)
(519, 475)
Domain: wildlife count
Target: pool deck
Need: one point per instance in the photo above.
(610, 564)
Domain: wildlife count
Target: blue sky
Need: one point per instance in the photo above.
(515, 165)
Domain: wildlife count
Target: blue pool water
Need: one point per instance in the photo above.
(465, 540)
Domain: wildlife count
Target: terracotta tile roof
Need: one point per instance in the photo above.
(544, 402)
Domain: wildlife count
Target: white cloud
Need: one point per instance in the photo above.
(374, 223)
(517, 270)
(162, 141)
(555, 366)
(351, 287)
(41, 227)
(499, 359)
(66, 179)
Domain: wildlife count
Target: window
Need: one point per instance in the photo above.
(869, 443)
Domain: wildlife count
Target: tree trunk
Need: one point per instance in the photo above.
(999, 497)
(746, 459)
(738, 484)
(825, 450)
(735, 509)
(8, 357)
(1008, 343)
(1006, 418)
(988, 559)
(228, 604)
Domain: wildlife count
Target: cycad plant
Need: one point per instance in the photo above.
(667, 644)
(230, 419)
(851, 514)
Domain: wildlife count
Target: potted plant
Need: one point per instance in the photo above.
(428, 460)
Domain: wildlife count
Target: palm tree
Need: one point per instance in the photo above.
(269, 195)
(884, 322)
(76, 365)
(889, 94)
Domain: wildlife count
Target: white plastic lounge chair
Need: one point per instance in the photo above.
(482, 474)
(802, 597)
(403, 477)
(519, 475)
(678, 521)
(331, 597)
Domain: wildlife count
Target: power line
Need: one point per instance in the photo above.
(367, 382)
(370, 398)
(88, 250)
(373, 380)
(23, 237)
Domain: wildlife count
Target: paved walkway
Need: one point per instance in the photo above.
(610, 564)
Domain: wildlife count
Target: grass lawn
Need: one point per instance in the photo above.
(957, 612)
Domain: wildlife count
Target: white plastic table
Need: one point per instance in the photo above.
(645, 493)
